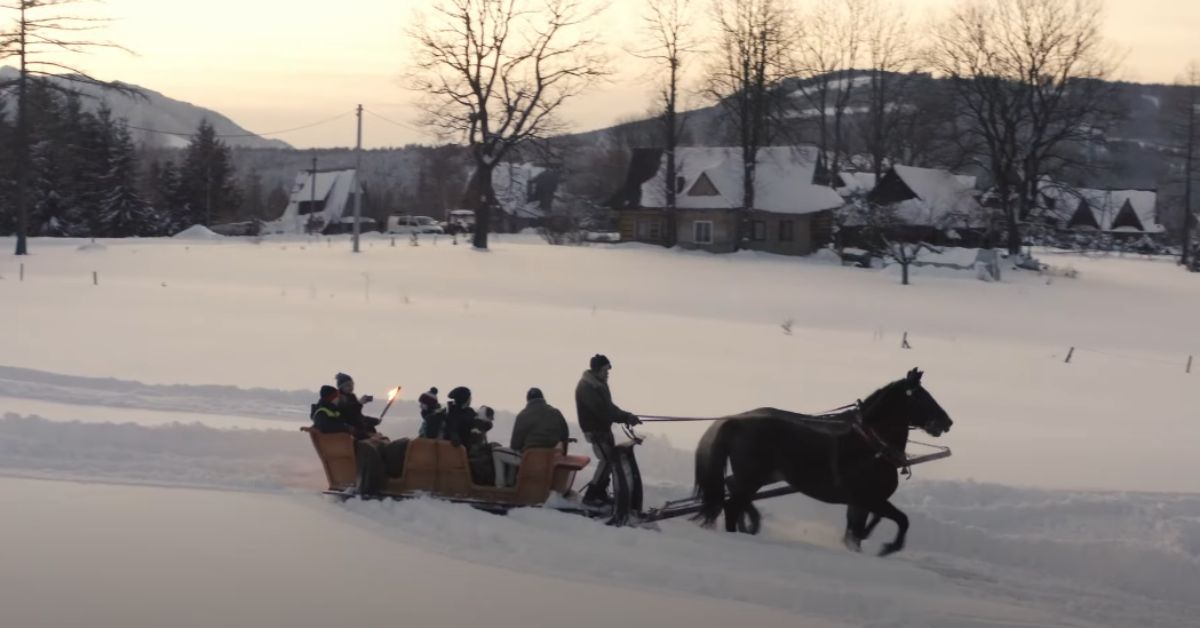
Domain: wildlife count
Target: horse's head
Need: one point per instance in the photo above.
(907, 399)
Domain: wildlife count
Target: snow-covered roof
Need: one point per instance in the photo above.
(334, 188)
(856, 183)
(712, 179)
(1106, 207)
(515, 191)
(943, 198)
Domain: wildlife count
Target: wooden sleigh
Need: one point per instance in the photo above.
(439, 469)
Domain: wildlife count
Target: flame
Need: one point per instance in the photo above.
(392, 394)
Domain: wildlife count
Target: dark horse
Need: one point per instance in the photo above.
(850, 458)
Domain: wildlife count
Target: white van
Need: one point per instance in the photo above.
(413, 224)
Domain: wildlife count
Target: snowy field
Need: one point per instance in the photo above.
(147, 425)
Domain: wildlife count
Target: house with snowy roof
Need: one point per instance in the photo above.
(318, 200)
(524, 195)
(1132, 212)
(926, 204)
(791, 215)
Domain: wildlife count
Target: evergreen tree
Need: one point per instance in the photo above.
(207, 188)
(122, 211)
(8, 218)
(167, 198)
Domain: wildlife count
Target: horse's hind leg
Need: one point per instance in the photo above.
(739, 504)
(856, 519)
(901, 519)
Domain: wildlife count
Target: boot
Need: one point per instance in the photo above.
(596, 496)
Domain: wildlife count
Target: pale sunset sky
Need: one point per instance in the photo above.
(277, 64)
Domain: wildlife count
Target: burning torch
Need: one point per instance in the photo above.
(392, 394)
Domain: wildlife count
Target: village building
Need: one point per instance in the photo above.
(918, 204)
(320, 201)
(525, 196)
(1128, 212)
(790, 216)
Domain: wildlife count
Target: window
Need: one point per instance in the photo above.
(759, 231)
(655, 230)
(702, 232)
(787, 230)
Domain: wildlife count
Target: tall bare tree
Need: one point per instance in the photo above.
(669, 29)
(1184, 125)
(1029, 77)
(752, 58)
(43, 39)
(891, 60)
(830, 46)
(496, 73)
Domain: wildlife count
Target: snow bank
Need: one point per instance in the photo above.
(198, 232)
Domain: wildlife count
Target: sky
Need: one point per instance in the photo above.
(278, 64)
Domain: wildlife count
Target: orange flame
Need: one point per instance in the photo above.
(392, 395)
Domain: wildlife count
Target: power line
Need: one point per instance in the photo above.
(405, 125)
(237, 135)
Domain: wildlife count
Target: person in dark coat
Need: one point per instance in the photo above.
(433, 415)
(326, 417)
(539, 425)
(351, 407)
(460, 416)
(597, 413)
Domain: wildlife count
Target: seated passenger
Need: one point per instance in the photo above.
(539, 425)
(325, 415)
(433, 415)
(459, 417)
(351, 408)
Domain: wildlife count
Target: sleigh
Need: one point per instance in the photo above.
(440, 469)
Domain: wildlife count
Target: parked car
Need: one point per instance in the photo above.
(413, 224)
(346, 225)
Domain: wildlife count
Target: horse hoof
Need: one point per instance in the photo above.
(890, 548)
(852, 544)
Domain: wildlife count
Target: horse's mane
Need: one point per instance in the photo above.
(869, 402)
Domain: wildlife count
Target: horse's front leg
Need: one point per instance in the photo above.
(901, 519)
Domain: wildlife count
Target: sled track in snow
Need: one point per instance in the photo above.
(265, 403)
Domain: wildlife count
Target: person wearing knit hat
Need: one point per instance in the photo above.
(433, 415)
(351, 407)
(326, 417)
(597, 413)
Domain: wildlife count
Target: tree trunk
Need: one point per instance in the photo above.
(904, 273)
(1012, 227)
(1185, 256)
(672, 144)
(485, 200)
(22, 148)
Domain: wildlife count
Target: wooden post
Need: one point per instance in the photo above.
(904, 342)
(95, 278)
(1189, 366)
(1069, 354)
(22, 272)
(393, 241)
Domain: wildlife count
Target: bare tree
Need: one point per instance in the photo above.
(829, 48)
(892, 61)
(752, 58)
(1185, 126)
(1029, 77)
(670, 30)
(496, 73)
(43, 39)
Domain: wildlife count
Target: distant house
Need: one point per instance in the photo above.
(318, 201)
(1132, 212)
(928, 204)
(524, 195)
(791, 215)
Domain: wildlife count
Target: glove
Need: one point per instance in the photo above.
(367, 399)
(634, 420)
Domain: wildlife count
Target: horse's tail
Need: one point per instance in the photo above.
(711, 457)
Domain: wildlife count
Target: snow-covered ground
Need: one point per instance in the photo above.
(1070, 499)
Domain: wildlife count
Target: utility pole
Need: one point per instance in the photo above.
(357, 185)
